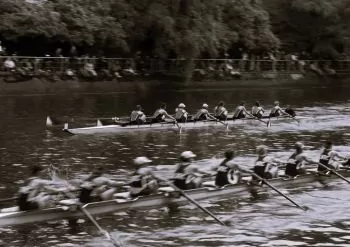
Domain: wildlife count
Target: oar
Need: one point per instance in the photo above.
(8, 199)
(278, 191)
(190, 199)
(334, 172)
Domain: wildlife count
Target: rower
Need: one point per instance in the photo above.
(186, 177)
(143, 182)
(180, 113)
(220, 111)
(203, 114)
(32, 194)
(97, 187)
(257, 110)
(328, 158)
(227, 172)
(277, 111)
(161, 115)
(265, 166)
(137, 116)
(241, 111)
(296, 162)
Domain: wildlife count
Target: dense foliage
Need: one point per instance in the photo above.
(174, 28)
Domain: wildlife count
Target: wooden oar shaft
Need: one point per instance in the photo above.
(334, 172)
(278, 191)
(8, 199)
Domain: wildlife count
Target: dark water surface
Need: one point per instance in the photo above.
(265, 221)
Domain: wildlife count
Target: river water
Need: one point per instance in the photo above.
(268, 220)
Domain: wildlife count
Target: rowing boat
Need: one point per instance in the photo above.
(116, 128)
(11, 216)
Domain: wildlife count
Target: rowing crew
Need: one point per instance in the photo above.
(41, 193)
(220, 113)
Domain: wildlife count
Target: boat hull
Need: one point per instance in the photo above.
(105, 129)
(156, 201)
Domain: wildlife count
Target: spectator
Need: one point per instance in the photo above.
(1, 49)
(9, 64)
(89, 69)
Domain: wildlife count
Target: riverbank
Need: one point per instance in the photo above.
(74, 86)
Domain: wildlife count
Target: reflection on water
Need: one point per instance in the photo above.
(267, 220)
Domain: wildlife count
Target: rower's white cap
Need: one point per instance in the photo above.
(299, 145)
(187, 154)
(276, 102)
(182, 105)
(142, 160)
(261, 149)
(205, 105)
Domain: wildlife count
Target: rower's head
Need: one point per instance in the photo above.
(36, 169)
(328, 145)
(299, 146)
(162, 105)
(221, 103)
(205, 105)
(138, 107)
(261, 150)
(182, 105)
(187, 156)
(242, 103)
(276, 103)
(142, 160)
(257, 103)
(229, 154)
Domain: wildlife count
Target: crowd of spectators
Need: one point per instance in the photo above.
(59, 67)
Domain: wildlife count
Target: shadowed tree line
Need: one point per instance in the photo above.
(175, 28)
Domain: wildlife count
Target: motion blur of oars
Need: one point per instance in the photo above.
(277, 190)
(10, 199)
(334, 172)
(189, 199)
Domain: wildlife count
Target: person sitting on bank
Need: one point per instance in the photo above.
(277, 111)
(203, 114)
(257, 110)
(265, 166)
(228, 172)
(137, 116)
(181, 114)
(97, 187)
(220, 111)
(143, 182)
(35, 192)
(186, 176)
(297, 161)
(160, 115)
(241, 112)
(328, 158)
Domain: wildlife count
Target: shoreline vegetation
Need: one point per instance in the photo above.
(178, 40)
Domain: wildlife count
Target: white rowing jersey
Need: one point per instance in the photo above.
(160, 114)
(220, 111)
(240, 112)
(276, 111)
(257, 110)
(202, 114)
(180, 113)
(137, 115)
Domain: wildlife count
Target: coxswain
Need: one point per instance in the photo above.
(181, 114)
(97, 187)
(265, 166)
(228, 172)
(241, 112)
(297, 161)
(328, 158)
(220, 111)
(203, 114)
(257, 110)
(161, 115)
(33, 194)
(143, 182)
(277, 111)
(137, 116)
(186, 176)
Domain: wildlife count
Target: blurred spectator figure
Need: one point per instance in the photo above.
(2, 50)
(89, 69)
(58, 52)
(115, 69)
(73, 52)
(103, 68)
(9, 64)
